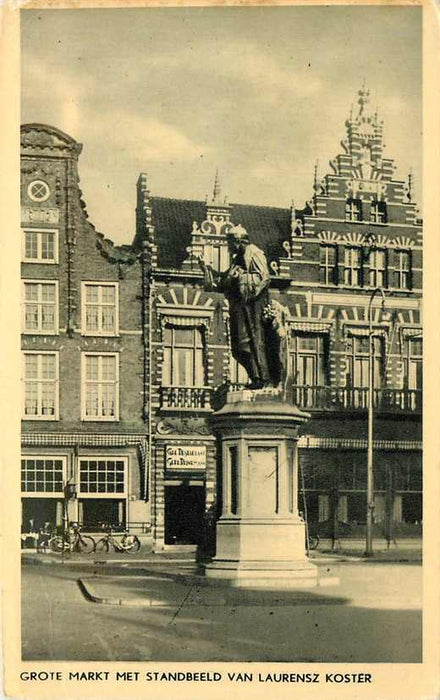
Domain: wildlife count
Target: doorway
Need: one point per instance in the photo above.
(184, 511)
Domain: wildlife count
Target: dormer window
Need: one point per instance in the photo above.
(378, 214)
(353, 210)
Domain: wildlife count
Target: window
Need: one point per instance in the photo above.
(328, 264)
(237, 373)
(40, 386)
(308, 360)
(403, 270)
(40, 307)
(100, 475)
(217, 255)
(413, 364)
(353, 210)
(38, 191)
(44, 475)
(99, 308)
(353, 266)
(358, 356)
(40, 245)
(100, 386)
(378, 213)
(378, 268)
(183, 357)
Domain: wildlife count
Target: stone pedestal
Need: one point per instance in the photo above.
(260, 535)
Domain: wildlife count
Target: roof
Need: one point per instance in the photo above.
(268, 227)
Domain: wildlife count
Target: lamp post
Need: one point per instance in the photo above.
(370, 468)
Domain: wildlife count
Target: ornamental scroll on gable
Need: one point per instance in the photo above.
(45, 138)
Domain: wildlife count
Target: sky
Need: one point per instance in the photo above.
(261, 93)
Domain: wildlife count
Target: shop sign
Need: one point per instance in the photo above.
(40, 216)
(185, 457)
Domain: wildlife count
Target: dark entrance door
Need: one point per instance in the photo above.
(184, 509)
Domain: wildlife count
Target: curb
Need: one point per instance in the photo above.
(88, 593)
(222, 597)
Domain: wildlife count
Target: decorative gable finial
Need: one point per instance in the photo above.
(364, 98)
(217, 188)
(410, 184)
(315, 176)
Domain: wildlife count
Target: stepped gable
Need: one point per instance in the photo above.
(268, 227)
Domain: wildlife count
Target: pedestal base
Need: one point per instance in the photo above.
(260, 536)
(262, 553)
(274, 575)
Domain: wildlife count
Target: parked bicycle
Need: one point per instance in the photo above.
(72, 541)
(312, 541)
(122, 542)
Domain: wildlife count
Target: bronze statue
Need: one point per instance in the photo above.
(258, 342)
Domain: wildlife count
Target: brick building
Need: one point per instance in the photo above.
(169, 340)
(83, 350)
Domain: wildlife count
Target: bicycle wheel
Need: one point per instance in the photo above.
(131, 543)
(313, 541)
(102, 545)
(56, 543)
(86, 544)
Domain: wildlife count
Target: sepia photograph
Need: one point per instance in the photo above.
(222, 334)
(221, 284)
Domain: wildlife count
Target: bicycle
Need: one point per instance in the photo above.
(72, 541)
(313, 541)
(127, 543)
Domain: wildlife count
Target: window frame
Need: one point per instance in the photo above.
(373, 272)
(353, 206)
(318, 356)
(45, 494)
(39, 259)
(328, 273)
(399, 271)
(94, 283)
(84, 382)
(350, 269)
(378, 212)
(39, 303)
(353, 355)
(32, 196)
(172, 348)
(114, 495)
(412, 360)
(39, 381)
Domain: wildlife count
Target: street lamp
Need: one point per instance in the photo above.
(370, 470)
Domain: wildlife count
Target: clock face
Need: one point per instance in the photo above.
(38, 191)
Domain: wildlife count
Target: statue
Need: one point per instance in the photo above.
(258, 337)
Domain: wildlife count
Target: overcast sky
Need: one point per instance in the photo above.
(259, 92)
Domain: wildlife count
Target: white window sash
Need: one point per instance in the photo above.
(86, 493)
(99, 306)
(41, 384)
(39, 258)
(99, 385)
(40, 304)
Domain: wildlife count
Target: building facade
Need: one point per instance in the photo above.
(84, 441)
(162, 347)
